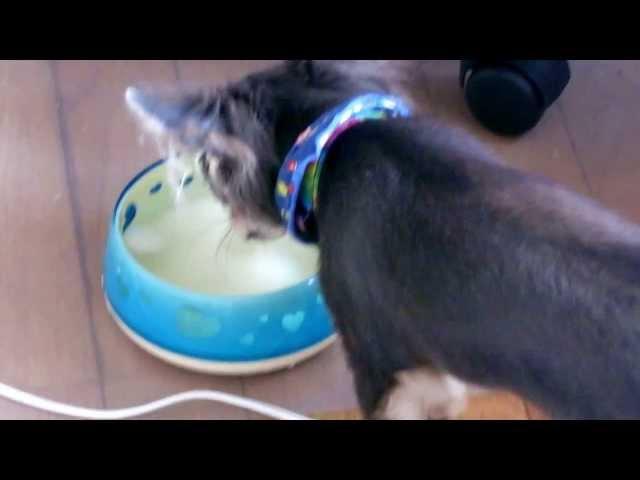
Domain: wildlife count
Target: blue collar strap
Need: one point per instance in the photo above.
(297, 186)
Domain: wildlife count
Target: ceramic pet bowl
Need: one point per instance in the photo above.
(188, 291)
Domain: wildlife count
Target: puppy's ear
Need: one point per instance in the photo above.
(167, 113)
(304, 69)
(320, 74)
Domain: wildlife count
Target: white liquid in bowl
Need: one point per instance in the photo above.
(190, 246)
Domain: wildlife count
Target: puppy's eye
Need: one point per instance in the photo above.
(203, 161)
(226, 169)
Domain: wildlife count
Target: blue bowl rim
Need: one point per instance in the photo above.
(171, 287)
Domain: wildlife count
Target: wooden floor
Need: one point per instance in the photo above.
(67, 147)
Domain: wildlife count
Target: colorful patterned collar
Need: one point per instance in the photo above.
(297, 186)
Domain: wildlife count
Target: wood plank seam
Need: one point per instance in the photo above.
(574, 149)
(70, 180)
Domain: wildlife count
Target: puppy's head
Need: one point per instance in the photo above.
(240, 133)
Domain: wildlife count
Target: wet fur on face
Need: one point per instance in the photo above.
(440, 265)
(241, 132)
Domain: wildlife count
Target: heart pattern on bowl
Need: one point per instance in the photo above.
(293, 321)
(193, 323)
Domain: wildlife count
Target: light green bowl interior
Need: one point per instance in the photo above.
(187, 241)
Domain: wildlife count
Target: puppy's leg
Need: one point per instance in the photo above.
(371, 386)
(422, 394)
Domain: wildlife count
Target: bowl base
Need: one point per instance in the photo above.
(218, 367)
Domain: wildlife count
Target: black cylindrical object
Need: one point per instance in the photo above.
(510, 97)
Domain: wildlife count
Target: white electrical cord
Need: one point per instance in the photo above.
(51, 406)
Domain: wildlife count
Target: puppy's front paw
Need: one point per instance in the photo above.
(424, 394)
